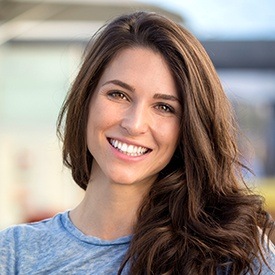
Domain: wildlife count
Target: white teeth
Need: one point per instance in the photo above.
(124, 147)
(130, 150)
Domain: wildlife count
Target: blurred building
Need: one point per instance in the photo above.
(62, 20)
(247, 71)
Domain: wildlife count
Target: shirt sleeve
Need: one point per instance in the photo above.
(269, 253)
(7, 252)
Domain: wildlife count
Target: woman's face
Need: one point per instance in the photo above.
(134, 117)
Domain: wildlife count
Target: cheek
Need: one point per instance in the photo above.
(98, 114)
(168, 133)
(101, 118)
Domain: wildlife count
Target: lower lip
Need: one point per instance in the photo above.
(125, 157)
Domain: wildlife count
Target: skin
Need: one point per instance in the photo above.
(135, 103)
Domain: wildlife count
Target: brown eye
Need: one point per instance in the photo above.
(117, 95)
(165, 108)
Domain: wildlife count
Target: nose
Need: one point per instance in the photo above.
(135, 121)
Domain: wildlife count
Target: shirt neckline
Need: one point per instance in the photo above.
(73, 230)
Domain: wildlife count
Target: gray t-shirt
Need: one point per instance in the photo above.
(56, 246)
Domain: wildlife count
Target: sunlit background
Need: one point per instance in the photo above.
(41, 44)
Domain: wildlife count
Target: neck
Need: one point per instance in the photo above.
(108, 211)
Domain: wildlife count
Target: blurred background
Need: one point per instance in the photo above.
(41, 44)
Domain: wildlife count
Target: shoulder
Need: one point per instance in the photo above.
(31, 230)
(269, 255)
(21, 243)
(31, 235)
(55, 246)
(264, 264)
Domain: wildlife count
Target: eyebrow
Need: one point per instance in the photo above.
(132, 89)
(121, 84)
(165, 97)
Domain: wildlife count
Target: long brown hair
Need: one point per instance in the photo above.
(199, 216)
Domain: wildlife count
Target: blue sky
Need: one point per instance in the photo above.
(234, 19)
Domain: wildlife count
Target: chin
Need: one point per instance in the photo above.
(130, 181)
(123, 181)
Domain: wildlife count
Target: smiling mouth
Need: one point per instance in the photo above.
(128, 149)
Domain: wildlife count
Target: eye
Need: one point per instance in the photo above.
(117, 95)
(165, 108)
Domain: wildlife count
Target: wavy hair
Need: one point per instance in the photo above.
(199, 216)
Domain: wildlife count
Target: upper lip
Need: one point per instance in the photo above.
(129, 142)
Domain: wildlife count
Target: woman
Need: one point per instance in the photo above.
(149, 134)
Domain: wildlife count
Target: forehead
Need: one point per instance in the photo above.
(140, 66)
